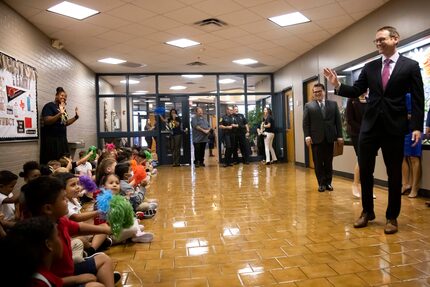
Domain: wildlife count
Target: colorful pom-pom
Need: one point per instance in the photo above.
(92, 149)
(139, 174)
(103, 200)
(87, 183)
(148, 155)
(110, 147)
(120, 215)
(160, 110)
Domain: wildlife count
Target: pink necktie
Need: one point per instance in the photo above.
(385, 73)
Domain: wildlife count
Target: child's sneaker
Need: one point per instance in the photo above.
(143, 237)
(140, 215)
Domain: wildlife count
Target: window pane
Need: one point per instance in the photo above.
(113, 112)
(141, 109)
(259, 83)
(231, 84)
(183, 84)
(141, 85)
(112, 85)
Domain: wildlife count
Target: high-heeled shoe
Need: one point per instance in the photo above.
(355, 191)
(414, 193)
(405, 188)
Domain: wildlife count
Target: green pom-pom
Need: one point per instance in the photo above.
(120, 215)
(93, 156)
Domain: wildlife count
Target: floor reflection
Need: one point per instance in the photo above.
(257, 225)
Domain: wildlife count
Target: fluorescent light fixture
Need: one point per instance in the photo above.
(289, 19)
(246, 61)
(192, 76)
(73, 10)
(226, 81)
(112, 61)
(183, 43)
(177, 88)
(140, 92)
(131, 82)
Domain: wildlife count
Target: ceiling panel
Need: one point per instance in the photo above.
(136, 31)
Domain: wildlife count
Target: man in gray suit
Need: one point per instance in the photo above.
(322, 127)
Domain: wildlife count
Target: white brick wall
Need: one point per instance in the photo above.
(20, 39)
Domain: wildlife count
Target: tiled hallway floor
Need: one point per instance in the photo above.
(257, 225)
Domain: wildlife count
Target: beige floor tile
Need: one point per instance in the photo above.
(377, 277)
(257, 278)
(319, 282)
(347, 280)
(406, 272)
(288, 275)
(318, 270)
(346, 267)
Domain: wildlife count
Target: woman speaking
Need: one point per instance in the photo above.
(53, 137)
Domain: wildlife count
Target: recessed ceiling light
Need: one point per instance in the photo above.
(112, 61)
(73, 10)
(226, 81)
(289, 19)
(131, 82)
(140, 92)
(192, 76)
(183, 43)
(177, 88)
(246, 61)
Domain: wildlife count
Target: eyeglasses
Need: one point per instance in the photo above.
(317, 92)
(380, 40)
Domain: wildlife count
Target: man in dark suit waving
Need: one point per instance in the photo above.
(385, 122)
(321, 127)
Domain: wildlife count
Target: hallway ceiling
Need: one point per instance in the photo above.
(136, 31)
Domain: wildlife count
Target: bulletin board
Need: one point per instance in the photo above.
(18, 100)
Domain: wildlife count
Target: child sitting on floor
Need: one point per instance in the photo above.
(73, 189)
(136, 196)
(7, 197)
(34, 244)
(46, 196)
(135, 232)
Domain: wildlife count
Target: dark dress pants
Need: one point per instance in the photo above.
(176, 149)
(242, 143)
(392, 152)
(228, 148)
(323, 161)
(199, 152)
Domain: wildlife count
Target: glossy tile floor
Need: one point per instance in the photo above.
(257, 225)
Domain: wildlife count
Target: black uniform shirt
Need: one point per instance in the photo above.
(226, 120)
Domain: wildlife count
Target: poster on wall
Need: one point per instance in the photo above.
(18, 100)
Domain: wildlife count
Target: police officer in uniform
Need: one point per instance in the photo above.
(227, 125)
(240, 136)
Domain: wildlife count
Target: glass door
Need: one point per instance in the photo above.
(167, 145)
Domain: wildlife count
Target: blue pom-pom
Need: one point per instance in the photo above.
(160, 110)
(103, 200)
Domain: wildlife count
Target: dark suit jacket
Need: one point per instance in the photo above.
(319, 128)
(390, 104)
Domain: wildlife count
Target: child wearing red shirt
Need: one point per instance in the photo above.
(46, 196)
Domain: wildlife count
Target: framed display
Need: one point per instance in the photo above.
(18, 100)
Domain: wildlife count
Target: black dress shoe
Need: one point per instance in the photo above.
(321, 188)
(364, 219)
(329, 187)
